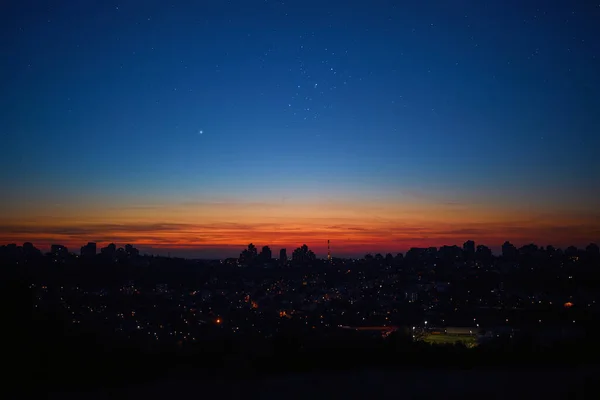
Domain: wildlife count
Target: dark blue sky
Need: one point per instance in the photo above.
(473, 99)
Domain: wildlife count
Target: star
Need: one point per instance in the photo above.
(200, 132)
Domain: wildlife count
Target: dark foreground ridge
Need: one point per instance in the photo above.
(413, 383)
(333, 367)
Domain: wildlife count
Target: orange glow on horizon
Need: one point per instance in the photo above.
(352, 227)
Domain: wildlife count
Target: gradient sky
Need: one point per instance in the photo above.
(197, 127)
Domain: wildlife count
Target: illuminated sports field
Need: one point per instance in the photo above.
(450, 339)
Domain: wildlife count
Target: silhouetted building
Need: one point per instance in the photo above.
(414, 253)
(483, 252)
(450, 252)
(89, 250)
(283, 256)
(59, 251)
(303, 255)
(109, 251)
(469, 249)
(528, 250)
(266, 254)
(509, 251)
(248, 256)
(431, 252)
(593, 249)
(571, 251)
(29, 250)
(12, 250)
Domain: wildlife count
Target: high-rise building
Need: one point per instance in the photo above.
(248, 256)
(450, 252)
(283, 256)
(303, 255)
(59, 250)
(509, 250)
(469, 248)
(109, 251)
(29, 250)
(431, 251)
(89, 250)
(328, 251)
(483, 252)
(265, 254)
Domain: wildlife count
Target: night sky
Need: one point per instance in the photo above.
(197, 127)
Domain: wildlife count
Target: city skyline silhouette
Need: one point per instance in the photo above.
(255, 252)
